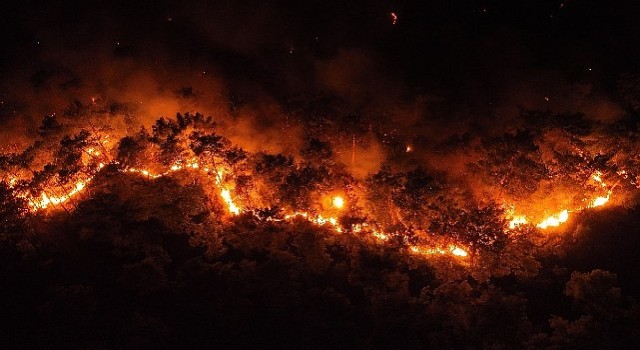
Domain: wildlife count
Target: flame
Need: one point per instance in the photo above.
(600, 201)
(562, 217)
(315, 219)
(457, 251)
(337, 202)
(517, 221)
(46, 199)
(554, 220)
(379, 235)
(438, 250)
(597, 177)
(93, 152)
(231, 206)
(224, 192)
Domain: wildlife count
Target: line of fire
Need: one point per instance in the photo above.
(189, 146)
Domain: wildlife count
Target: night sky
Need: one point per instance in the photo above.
(481, 58)
(435, 123)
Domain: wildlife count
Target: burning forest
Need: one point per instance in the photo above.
(315, 179)
(275, 188)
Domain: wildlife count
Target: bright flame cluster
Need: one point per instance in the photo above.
(554, 220)
(451, 249)
(563, 216)
(45, 200)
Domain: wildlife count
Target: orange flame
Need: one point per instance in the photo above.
(517, 221)
(337, 202)
(554, 220)
(45, 200)
(600, 201)
(562, 216)
(450, 250)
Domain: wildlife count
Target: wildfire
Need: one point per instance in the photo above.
(554, 220)
(47, 198)
(600, 201)
(316, 219)
(231, 206)
(517, 221)
(224, 192)
(337, 202)
(358, 228)
(562, 216)
(379, 235)
(44, 201)
(451, 249)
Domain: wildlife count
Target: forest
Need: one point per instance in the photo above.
(363, 174)
(173, 236)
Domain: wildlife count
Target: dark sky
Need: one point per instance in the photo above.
(477, 59)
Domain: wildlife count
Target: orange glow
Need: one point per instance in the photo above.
(316, 219)
(45, 200)
(52, 197)
(517, 221)
(562, 216)
(231, 206)
(451, 249)
(93, 152)
(337, 202)
(554, 220)
(597, 177)
(600, 201)
(457, 251)
(379, 235)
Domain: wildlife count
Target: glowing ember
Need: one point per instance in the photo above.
(563, 216)
(46, 199)
(457, 251)
(93, 152)
(394, 18)
(517, 221)
(600, 201)
(450, 250)
(226, 196)
(597, 177)
(337, 202)
(318, 220)
(379, 235)
(554, 220)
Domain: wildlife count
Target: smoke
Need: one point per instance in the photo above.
(107, 56)
(548, 90)
(257, 67)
